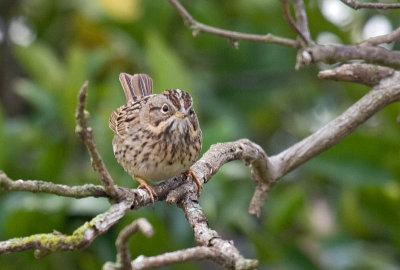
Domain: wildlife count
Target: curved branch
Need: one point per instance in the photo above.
(80, 238)
(388, 91)
(86, 135)
(35, 186)
(198, 27)
(123, 255)
(219, 154)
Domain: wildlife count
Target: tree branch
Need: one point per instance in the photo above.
(340, 53)
(80, 238)
(362, 73)
(123, 255)
(35, 186)
(292, 23)
(388, 91)
(219, 154)
(374, 41)
(86, 135)
(301, 18)
(198, 27)
(225, 253)
(357, 5)
(142, 262)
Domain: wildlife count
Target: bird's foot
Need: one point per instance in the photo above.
(149, 189)
(198, 183)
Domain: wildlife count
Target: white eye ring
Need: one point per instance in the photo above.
(164, 108)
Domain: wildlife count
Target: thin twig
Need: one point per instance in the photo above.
(357, 5)
(292, 23)
(123, 254)
(301, 19)
(198, 27)
(374, 41)
(188, 254)
(35, 186)
(86, 134)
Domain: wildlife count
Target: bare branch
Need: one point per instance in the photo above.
(225, 253)
(340, 53)
(142, 262)
(221, 153)
(391, 37)
(357, 5)
(86, 134)
(387, 92)
(81, 237)
(123, 255)
(362, 73)
(35, 186)
(291, 22)
(189, 254)
(198, 27)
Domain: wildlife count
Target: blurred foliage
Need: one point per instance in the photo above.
(338, 211)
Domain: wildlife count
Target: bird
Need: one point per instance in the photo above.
(156, 136)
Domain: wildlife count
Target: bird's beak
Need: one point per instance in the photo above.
(180, 114)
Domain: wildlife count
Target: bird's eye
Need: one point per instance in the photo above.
(165, 108)
(191, 112)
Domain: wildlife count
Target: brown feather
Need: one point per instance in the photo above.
(136, 86)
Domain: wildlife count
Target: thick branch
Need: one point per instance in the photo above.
(81, 237)
(35, 186)
(340, 53)
(86, 134)
(221, 153)
(198, 27)
(362, 73)
(357, 5)
(388, 91)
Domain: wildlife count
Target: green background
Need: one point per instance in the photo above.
(338, 211)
